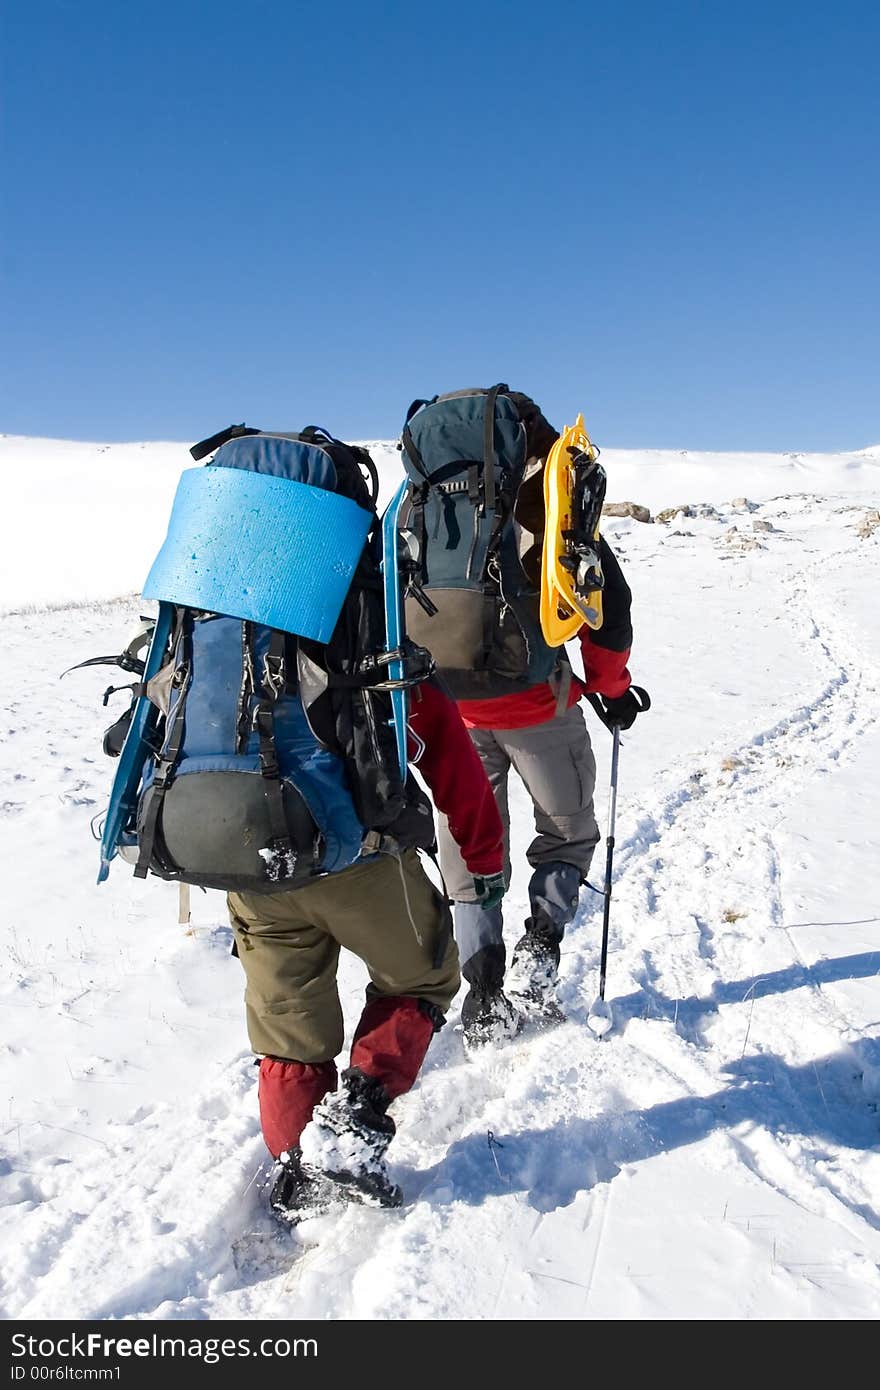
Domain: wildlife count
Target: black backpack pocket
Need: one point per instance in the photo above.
(209, 819)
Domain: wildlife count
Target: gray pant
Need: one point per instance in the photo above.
(555, 762)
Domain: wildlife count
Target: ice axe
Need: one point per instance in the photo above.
(599, 1018)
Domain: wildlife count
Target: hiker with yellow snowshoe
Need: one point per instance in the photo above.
(477, 510)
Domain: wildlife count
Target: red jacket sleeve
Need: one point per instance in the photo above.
(441, 748)
(606, 651)
(606, 671)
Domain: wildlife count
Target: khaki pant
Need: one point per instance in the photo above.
(385, 910)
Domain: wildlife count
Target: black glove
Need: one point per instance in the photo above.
(621, 713)
(490, 890)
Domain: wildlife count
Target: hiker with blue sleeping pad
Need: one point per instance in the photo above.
(477, 464)
(266, 754)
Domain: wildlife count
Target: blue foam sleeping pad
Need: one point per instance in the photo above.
(260, 548)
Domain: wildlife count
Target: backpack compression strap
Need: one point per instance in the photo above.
(166, 761)
(489, 457)
(274, 680)
(409, 445)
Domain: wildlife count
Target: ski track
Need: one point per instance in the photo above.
(565, 1112)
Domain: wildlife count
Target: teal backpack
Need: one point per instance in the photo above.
(477, 605)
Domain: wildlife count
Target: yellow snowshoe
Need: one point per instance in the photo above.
(571, 570)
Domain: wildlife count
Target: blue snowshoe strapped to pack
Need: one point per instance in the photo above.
(262, 750)
(466, 455)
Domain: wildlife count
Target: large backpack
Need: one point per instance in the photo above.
(268, 754)
(465, 454)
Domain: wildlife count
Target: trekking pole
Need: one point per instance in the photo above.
(599, 1017)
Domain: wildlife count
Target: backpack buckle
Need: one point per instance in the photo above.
(274, 674)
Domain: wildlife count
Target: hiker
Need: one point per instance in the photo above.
(387, 911)
(266, 753)
(483, 453)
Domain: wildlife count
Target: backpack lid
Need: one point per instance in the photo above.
(355, 472)
(481, 429)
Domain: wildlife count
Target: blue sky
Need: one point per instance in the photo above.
(664, 215)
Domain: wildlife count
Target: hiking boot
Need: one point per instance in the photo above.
(534, 971)
(346, 1139)
(488, 1016)
(296, 1194)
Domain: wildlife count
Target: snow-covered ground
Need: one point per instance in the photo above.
(717, 1156)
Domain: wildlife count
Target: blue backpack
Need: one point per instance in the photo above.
(260, 749)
